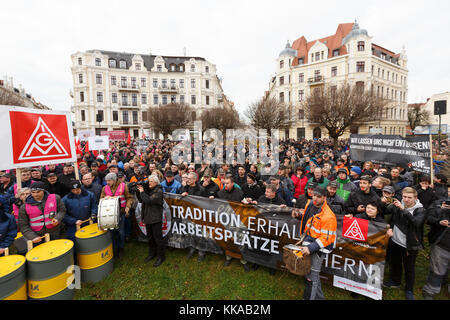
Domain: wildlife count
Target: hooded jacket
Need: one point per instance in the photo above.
(438, 234)
(345, 188)
(407, 225)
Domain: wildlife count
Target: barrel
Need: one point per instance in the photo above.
(94, 253)
(47, 266)
(13, 278)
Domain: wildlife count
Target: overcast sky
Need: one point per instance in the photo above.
(242, 38)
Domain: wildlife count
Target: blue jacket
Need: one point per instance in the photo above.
(175, 187)
(8, 230)
(5, 203)
(79, 207)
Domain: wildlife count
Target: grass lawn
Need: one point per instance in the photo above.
(178, 279)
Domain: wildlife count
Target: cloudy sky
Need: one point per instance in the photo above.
(243, 38)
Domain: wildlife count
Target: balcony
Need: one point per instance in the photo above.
(173, 88)
(129, 105)
(317, 80)
(129, 88)
(129, 123)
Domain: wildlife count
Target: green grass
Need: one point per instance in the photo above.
(178, 279)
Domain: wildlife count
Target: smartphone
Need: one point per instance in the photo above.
(447, 202)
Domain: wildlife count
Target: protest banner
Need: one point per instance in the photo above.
(85, 134)
(98, 143)
(392, 150)
(32, 137)
(115, 135)
(258, 233)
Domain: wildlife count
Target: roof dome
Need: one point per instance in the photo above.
(288, 51)
(356, 31)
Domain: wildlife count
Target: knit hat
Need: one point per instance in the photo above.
(321, 191)
(75, 184)
(333, 184)
(357, 170)
(343, 170)
(37, 186)
(111, 176)
(251, 176)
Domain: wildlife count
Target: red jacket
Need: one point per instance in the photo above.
(300, 184)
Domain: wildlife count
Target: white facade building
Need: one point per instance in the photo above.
(122, 86)
(445, 118)
(347, 56)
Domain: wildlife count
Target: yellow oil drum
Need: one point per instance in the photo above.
(94, 253)
(13, 278)
(48, 265)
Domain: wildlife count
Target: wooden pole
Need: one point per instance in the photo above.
(77, 173)
(19, 179)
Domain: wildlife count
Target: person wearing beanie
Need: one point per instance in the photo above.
(80, 205)
(252, 190)
(41, 213)
(345, 186)
(355, 174)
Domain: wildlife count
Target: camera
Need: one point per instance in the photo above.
(132, 186)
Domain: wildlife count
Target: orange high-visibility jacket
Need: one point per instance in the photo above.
(322, 233)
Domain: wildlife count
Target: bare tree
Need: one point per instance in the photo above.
(9, 98)
(167, 118)
(417, 115)
(269, 113)
(221, 118)
(338, 108)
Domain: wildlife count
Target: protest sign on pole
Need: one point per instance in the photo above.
(392, 150)
(98, 143)
(32, 137)
(85, 134)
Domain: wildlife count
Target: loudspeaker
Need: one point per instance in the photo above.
(440, 107)
(99, 117)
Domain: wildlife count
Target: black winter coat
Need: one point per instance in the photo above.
(435, 215)
(234, 195)
(359, 197)
(254, 191)
(152, 204)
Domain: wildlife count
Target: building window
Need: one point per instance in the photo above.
(301, 114)
(172, 67)
(80, 61)
(281, 96)
(182, 98)
(301, 77)
(321, 55)
(135, 117)
(181, 83)
(144, 98)
(81, 96)
(300, 61)
(301, 95)
(133, 82)
(206, 69)
(193, 99)
(98, 62)
(164, 83)
(159, 68)
(114, 98)
(143, 82)
(360, 66)
(99, 96)
(155, 99)
(207, 100)
(115, 115)
(361, 45)
(335, 52)
(155, 83)
(98, 79)
(192, 83)
(317, 76)
(83, 115)
(164, 99)
(125, 117)
(138, 66)
(144, 116)
(181, 67)
(113, 80)
(360, 86)
(100, 115)
(192, 67)
(134, 99)
(281, 64)
(172, 83)
(112, 63)
(333, 71)
(317, 56)
(124, 99)
(207, 84)
(281, 81)
(123, 82)
(80, 78)
(173, 99)
(123, 64)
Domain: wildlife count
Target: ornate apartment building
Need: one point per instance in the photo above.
(348, 56)
(12, 95)
(118, 88)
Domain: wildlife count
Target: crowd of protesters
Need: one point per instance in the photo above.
(404, 199)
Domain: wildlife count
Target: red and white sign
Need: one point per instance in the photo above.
(355, 229)
(114, 135)
(35, 137)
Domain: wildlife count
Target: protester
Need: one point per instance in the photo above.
(358, 199)
(209, 188)
(335, 202)
(252, 190)
(88, 184)
(407, 221)
(22, 194)
(8, 230)
(152, 210)
(52, 185)
(300, 180)
(170, 185)
(80, 206)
